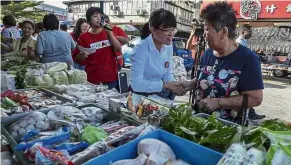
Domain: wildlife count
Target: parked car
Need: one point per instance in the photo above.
(281, 64)
(179, 49)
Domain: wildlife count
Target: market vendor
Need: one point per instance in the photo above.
(151, 69)
(26, 44)
(229, 76)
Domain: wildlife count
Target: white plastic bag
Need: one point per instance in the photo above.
(35, 120)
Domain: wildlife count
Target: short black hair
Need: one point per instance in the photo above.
(50, 22)
(91, 11)
(39, 26)
(219, 15)
(63, 27)
(162, 17)
(29, 22)
(159, 17)
(244, 27)
(9, 20)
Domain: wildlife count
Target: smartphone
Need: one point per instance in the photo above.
(102, 20)
(122, 80)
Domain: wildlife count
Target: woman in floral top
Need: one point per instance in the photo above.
(229, 73)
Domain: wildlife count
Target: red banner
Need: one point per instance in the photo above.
(259, 9)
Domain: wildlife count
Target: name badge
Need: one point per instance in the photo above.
(167, 64)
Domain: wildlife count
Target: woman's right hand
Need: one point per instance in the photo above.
(176, 87)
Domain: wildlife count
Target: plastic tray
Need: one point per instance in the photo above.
(48, 93)
(19, 154)
(225, 122)
(184, 149)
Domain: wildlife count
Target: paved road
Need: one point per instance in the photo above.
(276, 102)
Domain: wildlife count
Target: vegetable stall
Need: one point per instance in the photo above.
(58, 117)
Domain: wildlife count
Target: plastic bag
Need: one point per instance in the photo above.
(93, 134)
(35, 120)
(237, 154)
(60, 77)
(94, 114)
(46, 156)
(66, 115)
(112, 126)
(42, 80)
(280, 150)
(92, 151)
(86, 97)
(45, 140)
(77, 76)
(55, 67)
(72, 148)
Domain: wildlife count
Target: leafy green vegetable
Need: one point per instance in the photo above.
(77, 76)
(208, 132)
(276, 125)
(43, 80)
(55, 67)
(60, 77)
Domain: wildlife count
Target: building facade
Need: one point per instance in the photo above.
(260, 13)
(137, 12)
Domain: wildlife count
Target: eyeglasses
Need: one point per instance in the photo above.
(169, 30)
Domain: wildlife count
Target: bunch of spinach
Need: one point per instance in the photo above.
(208, 132)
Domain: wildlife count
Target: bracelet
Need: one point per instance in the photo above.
(218, 102)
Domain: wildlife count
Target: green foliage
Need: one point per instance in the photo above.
(23, 10)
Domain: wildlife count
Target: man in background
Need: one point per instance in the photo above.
(193, 39)
(245, 33)
(64, 27)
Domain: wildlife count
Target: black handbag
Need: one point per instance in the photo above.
(242, 116)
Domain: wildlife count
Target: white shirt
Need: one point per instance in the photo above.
(151, 67)
(242, 41)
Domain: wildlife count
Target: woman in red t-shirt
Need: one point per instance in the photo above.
(101, 65)
(81, 27)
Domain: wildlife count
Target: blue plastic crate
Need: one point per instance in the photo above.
(184, 149)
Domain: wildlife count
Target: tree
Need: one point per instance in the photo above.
(23, 10)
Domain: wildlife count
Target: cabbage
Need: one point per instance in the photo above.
(60, 77)
(77, 76)
(43, 80)
(28, 79)
(55, 67)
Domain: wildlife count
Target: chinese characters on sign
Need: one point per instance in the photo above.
(250, 9)
(288, 8)
(259, 9)
(270, 9)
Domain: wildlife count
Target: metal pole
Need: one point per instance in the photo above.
(102, 5)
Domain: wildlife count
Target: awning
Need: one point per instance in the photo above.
(288, 24)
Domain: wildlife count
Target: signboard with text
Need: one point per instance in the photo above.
(259, 9)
